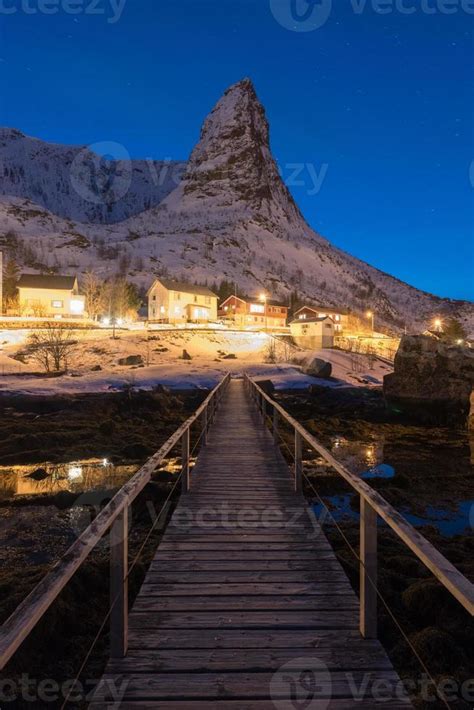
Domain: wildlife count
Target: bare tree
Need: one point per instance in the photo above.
(52, 347)
(94, 293)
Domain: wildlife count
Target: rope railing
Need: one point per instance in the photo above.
(114, 518)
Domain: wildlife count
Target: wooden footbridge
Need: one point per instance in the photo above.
(245, 605)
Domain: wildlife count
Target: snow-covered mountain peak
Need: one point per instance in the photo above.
(232, 165)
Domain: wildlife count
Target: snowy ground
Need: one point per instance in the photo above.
(163, 364)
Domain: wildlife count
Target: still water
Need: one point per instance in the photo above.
(436, 479)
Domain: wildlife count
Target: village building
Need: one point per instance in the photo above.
(340, 316)
(253, 312)
(313, 333)
(50, 296)
(179, 302)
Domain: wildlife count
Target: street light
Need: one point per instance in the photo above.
(370, 314)
(263, 298)
(438, 324)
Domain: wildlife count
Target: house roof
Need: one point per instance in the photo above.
(184, 287)
(303, 321)
(318, 308)
(53, 282)
(254, 299)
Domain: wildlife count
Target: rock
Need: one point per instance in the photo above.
(317, 368)
(136, 451)
(471, 413)
(39, 474)
(131, 360)
(186, 355)
(432, 381)
(96, 368)
(230, 356)
(266, 385)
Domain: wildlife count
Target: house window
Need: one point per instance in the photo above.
(57, 304)
(178, 297)
(153, 298)
(195, 299)
(337, 318)
(257, 308)
(162, 309)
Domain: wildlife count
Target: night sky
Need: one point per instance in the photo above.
(378, 105)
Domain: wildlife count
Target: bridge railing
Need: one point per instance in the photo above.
(113, 517)
(372, 505)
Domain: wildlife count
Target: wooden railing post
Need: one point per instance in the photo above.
(368, 570)
(275, 426)
(264, 408)
(119, 586)
(204, 426)
(298, 463)
(185, 461)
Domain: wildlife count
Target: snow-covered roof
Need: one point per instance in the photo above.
(303, 321)
(318, 309)
(184, 287)
(51, 282)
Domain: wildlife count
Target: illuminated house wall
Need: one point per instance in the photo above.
(50, 296)
(178, 302)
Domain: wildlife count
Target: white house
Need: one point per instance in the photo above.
(339, 315)
(178, 302)
(313, 333)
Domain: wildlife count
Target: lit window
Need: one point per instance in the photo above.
(337, 317)
(162, 309)
(76, 306)
(226, 308)
(257, 308)
(56, 304)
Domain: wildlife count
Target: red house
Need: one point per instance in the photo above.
(260, 313)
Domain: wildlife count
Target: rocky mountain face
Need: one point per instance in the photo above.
(76, 183)
(230, 217)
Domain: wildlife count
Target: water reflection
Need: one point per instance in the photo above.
(74, 476)
(49, 478)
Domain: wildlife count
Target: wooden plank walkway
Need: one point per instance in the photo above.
(245, 605)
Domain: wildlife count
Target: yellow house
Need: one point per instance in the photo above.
(50, 296)
(179, 302)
